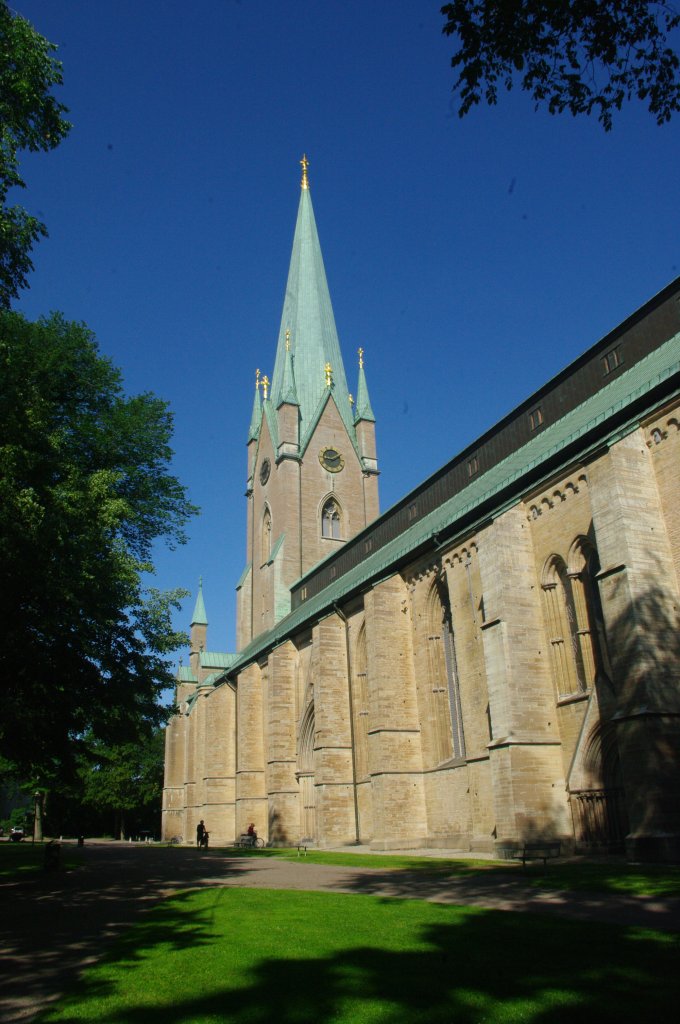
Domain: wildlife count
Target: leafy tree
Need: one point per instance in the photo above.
(30, 119)
(125, 780)
(85, 491)
(584, 56)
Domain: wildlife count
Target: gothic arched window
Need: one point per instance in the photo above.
(330, 519)
(561, 617)
(583, 568)
(574, 619)
(445, 708)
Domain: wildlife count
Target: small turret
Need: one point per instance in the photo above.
(288, 408)
(364, 420)
(199, 631)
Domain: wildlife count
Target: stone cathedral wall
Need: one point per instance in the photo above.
(561, 620)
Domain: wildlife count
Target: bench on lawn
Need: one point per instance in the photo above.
(546, 850)
(539, 851)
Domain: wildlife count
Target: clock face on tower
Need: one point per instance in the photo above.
(331, 459)
(265, 470)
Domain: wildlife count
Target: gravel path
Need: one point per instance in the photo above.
(51, 926)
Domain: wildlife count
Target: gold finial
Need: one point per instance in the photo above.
(351, 401)
(361, 358)
(265, 386)
(328, 370)
(287, 341)
(304, 163)
(257, 380)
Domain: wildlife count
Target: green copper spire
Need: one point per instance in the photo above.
(363, 410)
(308, 316)
(199, 617)
(256, 418)
(288, 392)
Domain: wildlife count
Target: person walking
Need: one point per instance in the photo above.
(200, 833)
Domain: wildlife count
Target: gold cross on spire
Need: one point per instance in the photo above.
(287, 341)
(361, 358)
(328, 370)
(265, 386)
(257, 380)
(304, 163)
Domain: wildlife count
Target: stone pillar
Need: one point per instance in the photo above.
(172, 817)
(527, 772)
(334, 782)
(220, 765)
(199, 714)
(639, 594)
(282, 785)
(190, 815)
(394, 754)
(251, 795)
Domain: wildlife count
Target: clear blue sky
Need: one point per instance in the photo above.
(471, 259)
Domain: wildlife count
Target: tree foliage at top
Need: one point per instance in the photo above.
(583, 56)
(30, 119)
(85, 491)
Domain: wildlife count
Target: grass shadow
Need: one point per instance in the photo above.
(310, 957)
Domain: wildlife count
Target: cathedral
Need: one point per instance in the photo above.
(493, 660)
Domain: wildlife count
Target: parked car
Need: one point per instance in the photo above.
(16, 833)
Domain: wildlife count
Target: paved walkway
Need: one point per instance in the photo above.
(53, 925)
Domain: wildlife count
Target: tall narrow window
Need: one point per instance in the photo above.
(266, 535)
(445, 708)
(583, 567)
(574, 620)
(561, 618)
(330, 520)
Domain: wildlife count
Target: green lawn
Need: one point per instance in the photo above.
(260, 956)
(612, 877)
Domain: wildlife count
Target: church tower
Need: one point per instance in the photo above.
(312, 465)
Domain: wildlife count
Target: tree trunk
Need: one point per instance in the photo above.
(38, 818)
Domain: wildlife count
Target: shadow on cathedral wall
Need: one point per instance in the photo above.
(467, 966)
(640, 710)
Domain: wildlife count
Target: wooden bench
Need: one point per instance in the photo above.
(301, 846)
(546, 850)
(539, 851)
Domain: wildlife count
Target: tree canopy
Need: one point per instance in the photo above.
(584, 56)
(30, 119)
(85, 491)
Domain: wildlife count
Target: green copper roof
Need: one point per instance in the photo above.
(216, 659)
(255, 419)
(308, 315)
(185, 675)
(587, 423)
(363, 410)
(199, 617)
